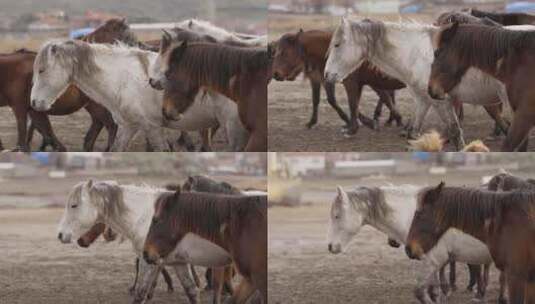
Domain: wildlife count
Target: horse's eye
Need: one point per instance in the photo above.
(154, 220)
(74, 206)
(41, 71)
(337, 45)
(436, 52)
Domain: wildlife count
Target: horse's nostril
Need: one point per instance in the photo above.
(146, 256)
(330, 247)
(408, 251)
(60, 236)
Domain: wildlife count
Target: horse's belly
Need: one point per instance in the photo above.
(468, 249)
(198, 251)
(476, 88)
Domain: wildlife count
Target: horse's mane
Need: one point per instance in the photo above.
(370, 201)
(468, 209)
(216, 64)
(211, 216)
(483, 46)
(79, 53)
(464, 18)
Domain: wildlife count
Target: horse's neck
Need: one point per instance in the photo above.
(407, 57)
(134, 224)
(104, 86)
(397, 223)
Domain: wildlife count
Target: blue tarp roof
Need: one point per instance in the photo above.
(80, 32)
(520, 6)
(42, 157)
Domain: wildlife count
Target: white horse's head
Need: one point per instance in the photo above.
(158, 69)
(350, 46)
(89, 203)
(344, 224)
(54, 69)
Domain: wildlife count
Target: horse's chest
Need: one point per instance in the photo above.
(198, 251)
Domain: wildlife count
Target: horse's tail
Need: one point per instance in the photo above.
(476, 146)
(428, 142)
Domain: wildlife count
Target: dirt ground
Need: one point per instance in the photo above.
(301, 270)
(290, 108)
(36, 268)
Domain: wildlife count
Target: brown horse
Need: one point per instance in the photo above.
(305, 51)
(239, 73)
(504, 54)
(238, 224)
(504, 18)
(100, 229)
(17, 72)
(495, 111)
(503, 221)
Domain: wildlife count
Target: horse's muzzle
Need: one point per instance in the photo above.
(435, 95)
(148, 258)
(334, 249)
(64, 238)
(39, 105)
(156, 84)
(411, 254)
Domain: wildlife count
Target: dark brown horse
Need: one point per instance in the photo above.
(504, 18)
(305, 52)
(495, 111)
(239, 73)
(238, 224)
(17, 72)
(504, 54)
(100, 229)
(503, 221)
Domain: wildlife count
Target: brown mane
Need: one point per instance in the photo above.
(483, 46)
(468, 209)
(215, 64)
(210, 216)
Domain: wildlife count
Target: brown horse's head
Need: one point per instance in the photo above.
(424, 232)
(111, 31)
(89, 237)
(462, 18)
(162, 237)
(448, 67)
(288, 57)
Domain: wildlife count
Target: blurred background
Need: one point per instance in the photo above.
(302, 187)
(33, 192)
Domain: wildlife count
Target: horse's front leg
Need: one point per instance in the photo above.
(427, 283)
(157, 140)
(422, 108)
(125, 134)
(446, 112)
(148, 274)
(502, 299)
(191, 289)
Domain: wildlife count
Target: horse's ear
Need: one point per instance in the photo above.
(190, 24)
(53, 49)
(449, 32)
(123, 20)
(89, 183)
(343, 195)
(177, 192)
(434, 193)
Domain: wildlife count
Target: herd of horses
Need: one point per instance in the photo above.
(130, 86)
(441, 225)
(202, 222)
(467, 56)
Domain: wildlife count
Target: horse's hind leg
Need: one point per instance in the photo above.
(218, 280)
(444, 287)
(453, 274)
(195, 276)
(517, 138)
(387, 97)
(517, 288)
(354, 92)
(474, 272)
(501, 298)
(168, 280)
(316, 95)
(501, 126)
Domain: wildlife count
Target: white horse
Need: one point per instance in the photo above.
(405, 51)
(128, 210)
(390, 210)
(221, 34)
(116, 76)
